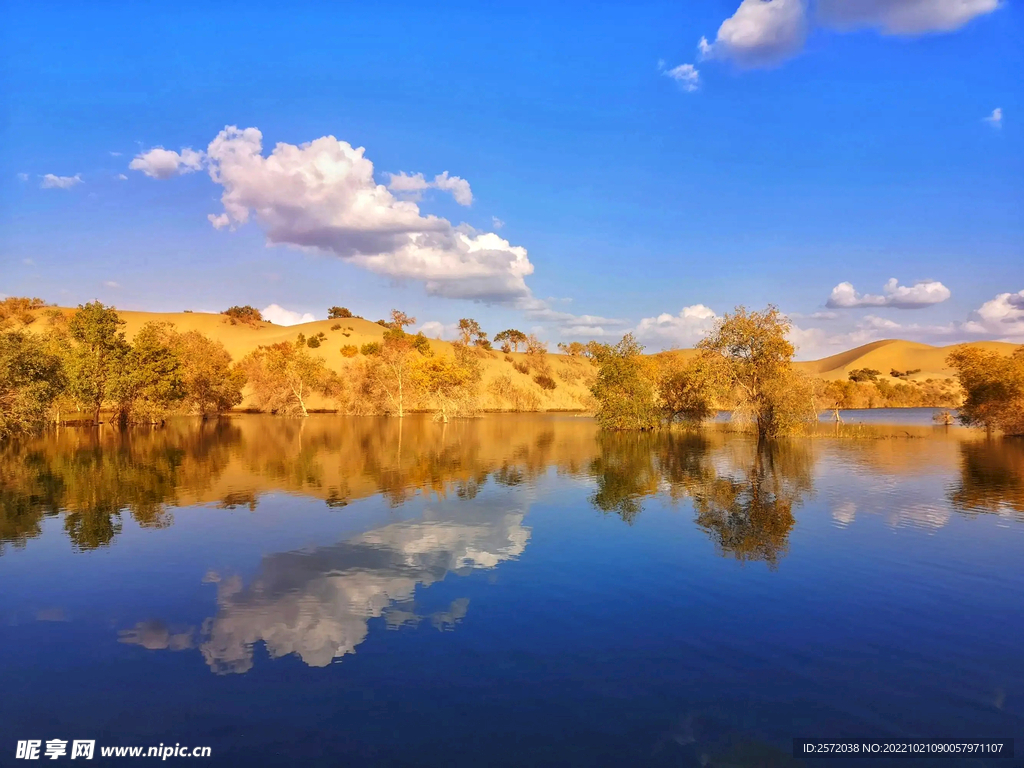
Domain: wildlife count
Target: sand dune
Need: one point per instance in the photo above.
(571, 374)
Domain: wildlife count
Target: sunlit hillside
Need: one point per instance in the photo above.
(572, 375)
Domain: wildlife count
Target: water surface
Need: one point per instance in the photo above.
(512, 590)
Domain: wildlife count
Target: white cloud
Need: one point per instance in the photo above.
(686, 75)
(760, 33)
(903, 17)
(322, 195)
(22, 177)
(278, 315)
(921, 294)
(766, 32)
(685, 329)
(496, 222)
(1001, 317)
(568, 324)
(411, 186)
(996, 118)
(458, 187)
(50, 181)
(160, 163)
(111, 284)
(436, 330)
(114, 154)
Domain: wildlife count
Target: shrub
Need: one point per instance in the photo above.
(313, 342)
(338, 313)
(349, 350)
(522, 368)
(421, 344)
(19, 308)
(545, 382)
(371, 348)
(866, 374)
(336, 327)
(247, 315)
(508, 359)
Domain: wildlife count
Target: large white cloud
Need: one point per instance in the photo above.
(903, 17)
(52, 181)
(917, 296)
(160, 163)
(685, 329)
(322, 195)
(766, 32)
(760, 33)
(1001, 317)
(278, 315)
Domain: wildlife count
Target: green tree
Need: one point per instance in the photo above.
(338, 313)
(757, 355)
(149, 381)
(625, 388)
(510, 339)
(31, 378)
(99, 352)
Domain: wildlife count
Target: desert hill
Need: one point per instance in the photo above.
(572, 376)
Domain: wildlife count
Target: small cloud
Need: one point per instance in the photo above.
(111, 284)
(22, 177)
(411, 186)
(160, 163)
(996, 118)
(496, 222)
(921, 294)
(686, 75)
(28, 262)
(219, 220)
(687, 328)
(121, 177)
(278, 315)
(115, 154)
(50, 181)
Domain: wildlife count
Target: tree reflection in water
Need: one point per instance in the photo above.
(743, 492)
(991, 478)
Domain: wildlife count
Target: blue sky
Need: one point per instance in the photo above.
(819, 143)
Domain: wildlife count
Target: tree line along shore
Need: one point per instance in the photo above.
(59, 366)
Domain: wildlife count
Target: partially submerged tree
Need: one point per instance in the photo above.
(210, 382)
(449, 382)
(757, 357)
(625, 388)
(31, 378)
(148, 383)
(95, 362)
(993, 387)
(692, 390)
(389, 367)
(283, 376)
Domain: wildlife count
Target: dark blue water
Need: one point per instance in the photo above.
(509, 591)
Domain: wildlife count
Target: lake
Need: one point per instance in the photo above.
(515, 590)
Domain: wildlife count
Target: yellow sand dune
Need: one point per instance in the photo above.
(890, 354)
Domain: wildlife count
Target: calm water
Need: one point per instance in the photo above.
(509, 591)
